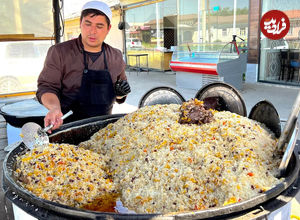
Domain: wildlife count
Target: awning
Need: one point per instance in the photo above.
(27, 20)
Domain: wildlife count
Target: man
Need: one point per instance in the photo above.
(84, 75)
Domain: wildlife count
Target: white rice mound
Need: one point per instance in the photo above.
(162, 166)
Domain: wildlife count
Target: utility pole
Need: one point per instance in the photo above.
(56, 20)
(18, 20)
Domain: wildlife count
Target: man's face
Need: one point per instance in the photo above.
(93, 32)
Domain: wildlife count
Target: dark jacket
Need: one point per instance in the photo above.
(63, 69)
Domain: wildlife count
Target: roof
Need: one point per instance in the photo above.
(293, 14)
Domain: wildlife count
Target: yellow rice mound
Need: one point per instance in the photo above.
(64, 174)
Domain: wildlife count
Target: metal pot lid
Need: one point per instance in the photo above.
(24, 108)
(20, 112)
(265, 112)
(228, 98)
(161, 95)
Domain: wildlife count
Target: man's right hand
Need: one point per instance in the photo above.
(53, 117)
(51, 102)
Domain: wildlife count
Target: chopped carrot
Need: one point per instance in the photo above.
(171, 148)
(145, 150)
(49, 178)
(250, 174)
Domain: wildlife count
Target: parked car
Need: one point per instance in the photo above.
(133, 43)
(21, 64)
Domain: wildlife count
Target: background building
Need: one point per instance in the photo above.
(163, 25)
(153, 28)
(157, 27)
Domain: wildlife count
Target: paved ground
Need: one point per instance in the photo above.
(281, 97)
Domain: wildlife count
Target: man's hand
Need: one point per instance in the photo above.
(122, 88)
(51, 102)
(53, 117)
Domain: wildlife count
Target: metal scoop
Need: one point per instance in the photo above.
(33, 134)
(288, 137)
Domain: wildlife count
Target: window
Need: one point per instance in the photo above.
(211, 21)
(290, 31)
(150, 26)
(274, 54)
(20, 50)
(224, 32)
(21, 63)
(243, 31)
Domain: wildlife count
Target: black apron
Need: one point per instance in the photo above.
(96, 95)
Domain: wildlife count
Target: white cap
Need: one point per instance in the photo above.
(100, 6)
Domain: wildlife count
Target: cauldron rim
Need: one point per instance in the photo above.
(10, 184)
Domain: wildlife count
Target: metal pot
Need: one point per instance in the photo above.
(76, 132)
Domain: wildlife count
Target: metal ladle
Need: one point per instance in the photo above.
(288, 136)
(33, 134)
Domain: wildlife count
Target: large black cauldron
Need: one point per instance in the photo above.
(79, 131)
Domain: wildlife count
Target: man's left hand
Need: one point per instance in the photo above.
(122, 88)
